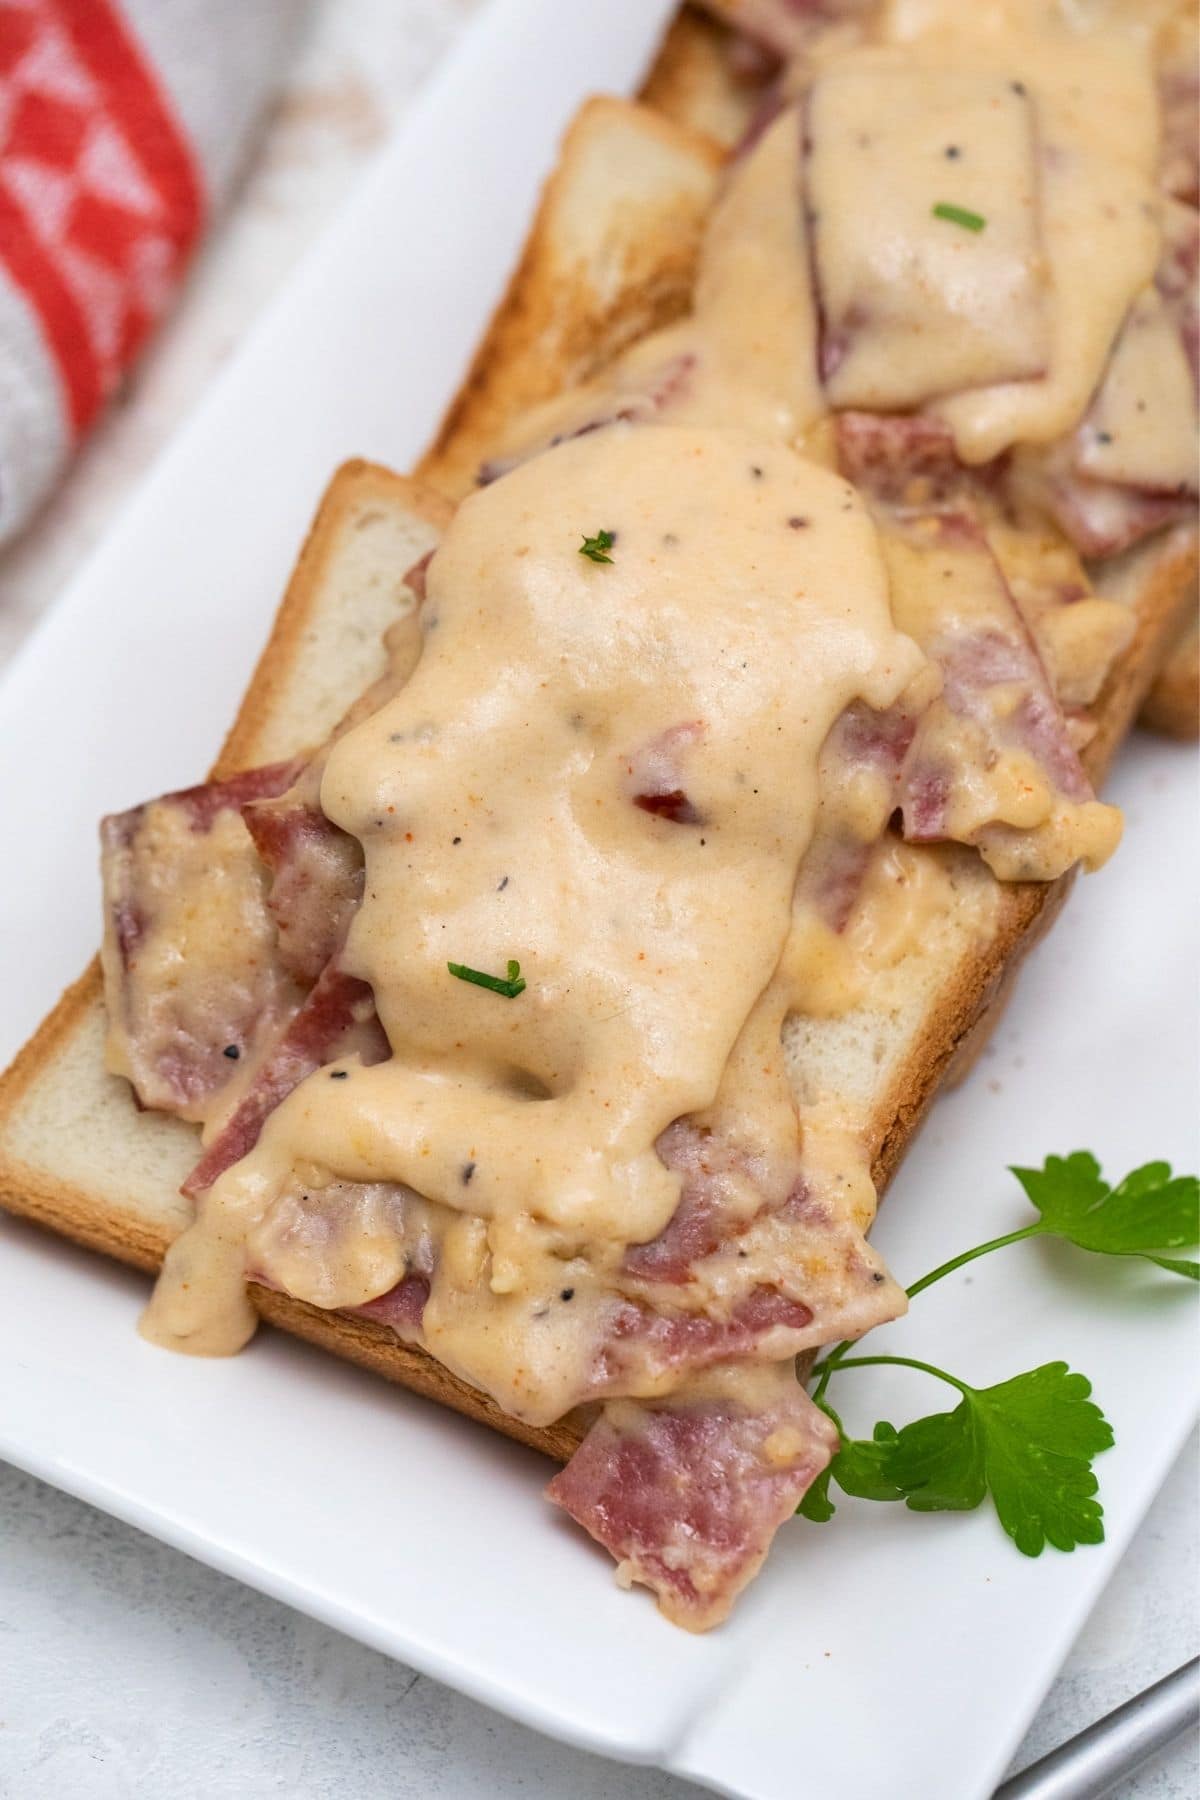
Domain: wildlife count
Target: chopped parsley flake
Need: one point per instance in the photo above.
(510, 987)
(958, 215)
(597, 548)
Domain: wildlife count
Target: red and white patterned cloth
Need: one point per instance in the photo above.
(122, 125)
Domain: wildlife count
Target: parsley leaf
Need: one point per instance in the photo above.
(1149, 1212)
(1029, 1442)
(859, 1468)
(597, 547)
(816, 1504)
(862, 1466)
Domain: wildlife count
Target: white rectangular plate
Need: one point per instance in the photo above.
(882, 1654)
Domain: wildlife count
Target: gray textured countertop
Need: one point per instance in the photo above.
(127, 1670)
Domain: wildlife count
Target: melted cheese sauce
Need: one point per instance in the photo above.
(904, 892)
(755, 323)
(607, 771)
(916, 304)
(1037, 119)
(1066, 187)
(1099, 141)
(747, 355)
(1078, 634)
(1148, 378)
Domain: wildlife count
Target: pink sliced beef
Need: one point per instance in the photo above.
(1102, 519)
(316, 873)
(645, 1343)
(644, 1333)
(747, 1233)
(907, 463)
(993, 679)
(401, 1308)
(656, 774)
(1105, 516)
(337, 1019)
(186, 1006)
(903, 461)
(839, 856)
(698, 1225)
(687, 1494)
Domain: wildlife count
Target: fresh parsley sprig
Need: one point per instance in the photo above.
(1030, 1441)
(1149, 1212)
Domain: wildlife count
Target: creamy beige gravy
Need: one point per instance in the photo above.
(496, 798)
(1082, 217)
(747, 354)
(1052, 118)
(917, 305)
(1148, 379)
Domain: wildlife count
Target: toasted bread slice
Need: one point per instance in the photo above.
(611, 256)
(693, 81)
(76, 1155)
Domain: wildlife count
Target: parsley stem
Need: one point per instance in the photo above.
(958, 1262)
(834, 1359)
(905, 1362)
(826, 1368)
